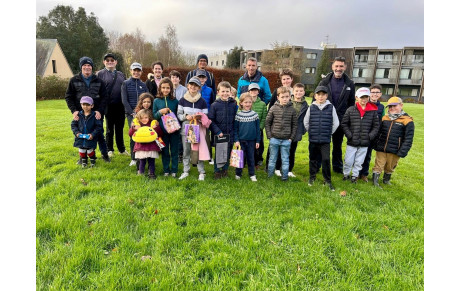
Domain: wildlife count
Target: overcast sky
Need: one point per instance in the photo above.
(213, 26)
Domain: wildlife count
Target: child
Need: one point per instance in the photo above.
(179, 90)
(376, 93)
(146, 152)
(261, 109)
(130, 91)
(163, 104)
(301, 107)
(208, 95)
(154, 78)
(222, 114)
(393, 142)
(281, 128)
(189, 108)
(87, 125)
(360, 125)
(321, 121)
(247, 134)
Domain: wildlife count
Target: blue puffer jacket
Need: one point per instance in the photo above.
(264, 92)
(208, 95)
(222, 114)
(130, 91)
(85, 125)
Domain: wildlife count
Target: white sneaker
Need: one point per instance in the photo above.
(211, 162)
(125, 153)
(253, 178)
(132, 163)
(201, 177)
(183, 176)
(173, 175)
(290, 174)
(278, 173)
(110, 153)
(237, 177)
(166, 174)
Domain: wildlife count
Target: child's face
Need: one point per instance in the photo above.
(247, 104)
(146, 103)
(165, 89)
(286, 80)
(202, 79)
(87, 107)
(157, 71)
(375, 95)
(299, 93)
(284, 98)
(175, 80)
(136, 73)
(224, 93)
(362, 100)
(193, 88)
(253, 93)
(144, 119)
(395, 109)
(321, 97)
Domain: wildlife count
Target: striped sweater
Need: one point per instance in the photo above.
(247, 126)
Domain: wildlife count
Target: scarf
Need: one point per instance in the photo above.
(192, 99)
(396, 115)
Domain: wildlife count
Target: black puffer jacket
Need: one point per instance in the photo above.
(347, 96)
(395, 136)
(222, 114)
(360, 131)
(77, 88)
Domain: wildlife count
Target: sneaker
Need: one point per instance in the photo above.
(278, 173)
(211, 162)
(329, 184)
(311, 181)
(152, 176)
(183, 176)
(92, 162)
(290, 174)
(364, 178)
(260, 163)
(84, 162)
(237, 177)
(354, 180)
(125, 153)
(201, 177)
(110, 154)
(166, 174)
(253, 178)
(173, 175)
(106, 158)
(132, 163)
(79, 161)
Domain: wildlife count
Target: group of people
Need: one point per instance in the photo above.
(227, 118)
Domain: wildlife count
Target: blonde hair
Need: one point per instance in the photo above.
(224, 84)
(144, 112)
(245, 96)
(282, 90)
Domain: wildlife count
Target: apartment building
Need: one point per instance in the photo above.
(218, 61)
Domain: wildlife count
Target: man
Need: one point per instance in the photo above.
(202, 63)
(253, 75)
(115, 114)
(342, 96)
(153, 80)
(86, 83)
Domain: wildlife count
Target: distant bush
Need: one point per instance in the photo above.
(51, 87)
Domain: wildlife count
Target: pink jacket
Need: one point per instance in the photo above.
(202, 147)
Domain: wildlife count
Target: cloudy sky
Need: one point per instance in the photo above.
(213, 26)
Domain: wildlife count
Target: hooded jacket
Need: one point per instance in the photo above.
(86, 125)
(222, 113)
(360, 131)
(395, 136)
(281, 122)
(245, 81)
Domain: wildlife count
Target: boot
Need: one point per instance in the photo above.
(92, 162)
(375, 179)
(84, 162)
(386, 179)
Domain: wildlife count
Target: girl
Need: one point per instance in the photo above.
(164, 103)
(146, 151)
(247, 134)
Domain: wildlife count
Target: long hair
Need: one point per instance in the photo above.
(168, 81)
(142, 97)
(144, 112)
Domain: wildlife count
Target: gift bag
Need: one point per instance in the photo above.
(160, 143)
(221, 144)
(194, 157)
(170, 122)
(192, 132)
(237, 157)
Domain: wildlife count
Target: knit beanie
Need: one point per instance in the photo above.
(202, 56)
(86, 60)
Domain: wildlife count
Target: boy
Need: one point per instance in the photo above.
(360, 124)
(208, 95)
(179, 90)
(86, 130)
(321, 122)
(281, 127)
(222, 114)
(393, 142)
(376, 93)
(261, 109)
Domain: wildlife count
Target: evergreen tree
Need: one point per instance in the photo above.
(233, 58)
(324, 66)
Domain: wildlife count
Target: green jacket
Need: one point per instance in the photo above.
(261, 109)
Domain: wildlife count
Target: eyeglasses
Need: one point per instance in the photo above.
(376, 92)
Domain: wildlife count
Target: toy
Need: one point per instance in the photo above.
(83, 135)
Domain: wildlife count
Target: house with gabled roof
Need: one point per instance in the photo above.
(51, 60)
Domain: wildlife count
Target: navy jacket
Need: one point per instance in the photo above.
(77, 88)
(222, 113)
(85, 125)
(395, 136)
(321, 122)
(108, 77)
(130, 91)
(347, 96)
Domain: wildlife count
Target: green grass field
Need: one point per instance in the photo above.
(105, 228)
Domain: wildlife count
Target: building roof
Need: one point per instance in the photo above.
(44, 48)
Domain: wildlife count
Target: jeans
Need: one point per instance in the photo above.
(275, 146)
(115, 122)
(354, 157)
(248, 147)
(170, 153)
(323, 151)
(291, 157)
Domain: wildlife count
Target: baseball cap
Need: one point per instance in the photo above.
(394, 101)
(195, 81)
(110, 55)
(136, 66)
(200, 73)
(253, 86)
(87, 100)
(363, 91)
(322, 89)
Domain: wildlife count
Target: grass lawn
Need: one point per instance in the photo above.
(106, 228)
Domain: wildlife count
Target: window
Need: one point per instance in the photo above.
(361, 58)
(385, 57)
(405, 74)
(382, 73)
(211, 64)
(361, 73)
(222, 62)
(408, 92)
(54, 67)
(310, 70)
(311, 56)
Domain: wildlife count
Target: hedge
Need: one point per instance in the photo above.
(51, 87)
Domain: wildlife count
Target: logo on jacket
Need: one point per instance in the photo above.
(348, 88)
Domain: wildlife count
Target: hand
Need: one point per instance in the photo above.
(290, 140)
(257, 145)
(78, 134)
(189, 117)
(90, 136)
(75, 115)
(197, 117)
(98, 115)
(237, 144)
(221, 134)
(164, 110)
(136, 127)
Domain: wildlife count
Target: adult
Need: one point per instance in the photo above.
(253, 75)
(202, 63)
(115, 111)
(342, 96)
(153, 80)
(86, 83)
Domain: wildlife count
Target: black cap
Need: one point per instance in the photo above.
(322, 89)
(110, 55)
